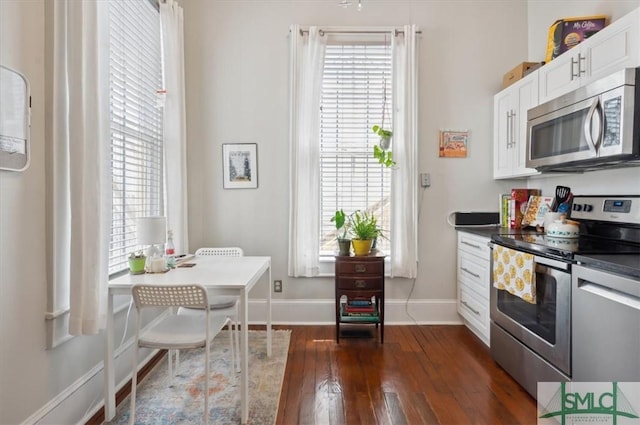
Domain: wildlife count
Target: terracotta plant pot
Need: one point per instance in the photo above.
(362, 246)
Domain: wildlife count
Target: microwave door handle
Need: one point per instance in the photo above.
(601, 118)
(588, 126)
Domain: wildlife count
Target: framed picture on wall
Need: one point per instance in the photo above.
(240, 165)
(453, 143)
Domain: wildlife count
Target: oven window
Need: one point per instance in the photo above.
(539, 318)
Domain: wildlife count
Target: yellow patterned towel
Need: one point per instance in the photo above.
(514, 271)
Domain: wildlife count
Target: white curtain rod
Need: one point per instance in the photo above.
(323, 32)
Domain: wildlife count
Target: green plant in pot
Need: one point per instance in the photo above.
(364, 227)
(137, 261)
(344, 243)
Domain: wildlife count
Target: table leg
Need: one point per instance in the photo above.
(269, 313)
(109, 373)
(244, 348)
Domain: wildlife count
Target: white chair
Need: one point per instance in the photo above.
(226, 305)
(175, 332)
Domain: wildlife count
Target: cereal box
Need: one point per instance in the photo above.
(518, 205)
(568, 32)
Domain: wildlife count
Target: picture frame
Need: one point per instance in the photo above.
(453, 143)
(240, 165)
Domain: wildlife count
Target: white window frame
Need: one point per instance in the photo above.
(137, 152)
(306, 47)
(357, 85)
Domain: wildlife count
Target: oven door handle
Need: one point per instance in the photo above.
(551, 263)
(561, 265)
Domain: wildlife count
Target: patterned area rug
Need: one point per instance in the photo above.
(162, 401)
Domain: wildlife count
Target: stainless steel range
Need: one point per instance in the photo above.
(545, 340)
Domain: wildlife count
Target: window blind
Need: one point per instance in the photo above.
(136, 123)
(356, 84)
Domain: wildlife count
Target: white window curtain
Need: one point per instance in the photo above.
(307, 63)
(80, 190)
(404, 184)
(175, 134)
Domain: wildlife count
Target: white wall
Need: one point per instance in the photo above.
(237, 58)
(24, 365)
(237, 91)
(237, 82)
(62, 385)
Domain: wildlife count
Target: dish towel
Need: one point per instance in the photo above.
(514, 271)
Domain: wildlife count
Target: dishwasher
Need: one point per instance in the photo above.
(606, 323)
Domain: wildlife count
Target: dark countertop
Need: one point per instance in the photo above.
(627, 264)
(493, 230)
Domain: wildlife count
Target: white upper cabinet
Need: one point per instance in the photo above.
(510, 127)
(615, 47)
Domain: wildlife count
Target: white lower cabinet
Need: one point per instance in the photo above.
(474, 259)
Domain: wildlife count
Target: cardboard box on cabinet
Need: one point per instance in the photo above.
(566, 33)
(518, 72)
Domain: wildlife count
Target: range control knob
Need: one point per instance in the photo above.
(587, 207)
(577, 207)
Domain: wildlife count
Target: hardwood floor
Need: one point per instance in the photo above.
(420, 375)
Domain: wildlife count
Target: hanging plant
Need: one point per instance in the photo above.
(382, 151)
(384, 157)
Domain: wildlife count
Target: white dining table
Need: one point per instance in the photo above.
(229, 275)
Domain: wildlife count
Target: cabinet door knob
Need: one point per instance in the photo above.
(360, 283)
(361, 268)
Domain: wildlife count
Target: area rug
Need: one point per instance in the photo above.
(161, 400)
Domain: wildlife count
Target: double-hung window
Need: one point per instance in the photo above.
(135, 68)
(344, 81)
(356, 95)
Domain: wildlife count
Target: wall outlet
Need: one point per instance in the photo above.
(425, 180)
(277, 286)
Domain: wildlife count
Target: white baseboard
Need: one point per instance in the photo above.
(82, 399)
(321, 312)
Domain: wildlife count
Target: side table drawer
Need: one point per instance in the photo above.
(374, 268)
(359, 283)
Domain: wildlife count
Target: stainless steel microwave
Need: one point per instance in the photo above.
(595, 126)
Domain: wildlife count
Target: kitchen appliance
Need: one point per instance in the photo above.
(606, 324)
(594, 126)
(533, 342)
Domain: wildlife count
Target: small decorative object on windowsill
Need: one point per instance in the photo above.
(137, 261)
(344, 243)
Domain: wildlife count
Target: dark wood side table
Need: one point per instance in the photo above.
(360, 277)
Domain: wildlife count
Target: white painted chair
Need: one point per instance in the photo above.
(226, 305)
(174, 331)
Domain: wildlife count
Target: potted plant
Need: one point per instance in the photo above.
(381, 151)
(137, 261)
(364, 227)
(344, 243)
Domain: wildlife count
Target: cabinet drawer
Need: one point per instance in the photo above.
(475, 312)
(359, 283)
(474, 272)
(473, 244)
(375, 268)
